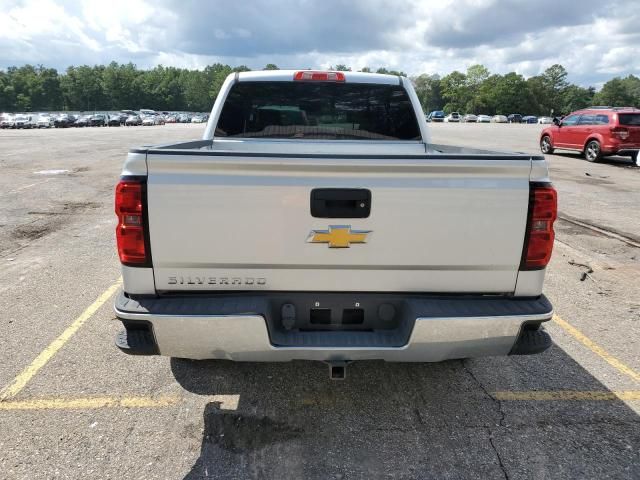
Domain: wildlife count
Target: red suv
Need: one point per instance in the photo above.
(595, 132)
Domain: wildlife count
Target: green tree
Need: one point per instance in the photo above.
(271, 66)
(215, 75)
(554, 83)
(487, 99)
(536, 85)
(119, 85)
(82, 88)
(429, 92)
(455, 91)
(197, 91)
(512, 95)
(620, 92)
(6, 101)
(632, 84)
(575, 98)
(476, 75)
(391, 72)
(31, 88)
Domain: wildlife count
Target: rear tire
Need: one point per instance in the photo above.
(592, 151)
(545, 145)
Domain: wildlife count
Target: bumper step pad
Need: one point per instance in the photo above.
(137, 341)
(531, 342)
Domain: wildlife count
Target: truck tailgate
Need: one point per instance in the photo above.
(437, 223)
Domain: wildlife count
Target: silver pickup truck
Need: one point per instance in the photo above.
(315, 220)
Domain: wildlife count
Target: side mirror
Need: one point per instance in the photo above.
(557, 121)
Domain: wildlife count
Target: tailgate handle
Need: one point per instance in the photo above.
(340, 202)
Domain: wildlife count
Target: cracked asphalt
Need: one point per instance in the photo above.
(569, 413)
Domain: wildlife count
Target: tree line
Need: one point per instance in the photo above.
(124, 86)
(480, 92)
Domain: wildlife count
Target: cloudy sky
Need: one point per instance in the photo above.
(594, 39)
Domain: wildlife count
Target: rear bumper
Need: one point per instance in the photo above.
(627, 151)
(244, 328)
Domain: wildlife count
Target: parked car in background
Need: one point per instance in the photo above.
(545, 120)
(115, 120)
(44, 121)
(184, 118)
(197, 119)
(124, 114)
(7, 121)
(499, 119)
(152, 120)
(530, 119)
(484, 119)
(470, 118)
(170, 119)
(23, 121)
(436, 116)
(64, 120)
(595, 132)
(98, 120)
(452, 117)
(82, 121)
(514, 118)
(133, 120)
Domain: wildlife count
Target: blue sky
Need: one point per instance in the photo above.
(594, 40)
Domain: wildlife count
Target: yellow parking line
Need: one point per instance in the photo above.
(229, 402)
(47, 354)
(567, 395)
(225, 402)
(89, 403)
(597, 349)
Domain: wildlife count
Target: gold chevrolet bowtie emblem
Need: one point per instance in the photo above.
(338, 236)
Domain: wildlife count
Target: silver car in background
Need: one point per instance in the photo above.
(23, 121)
(6, 121)
(44, 121)
(452, 117)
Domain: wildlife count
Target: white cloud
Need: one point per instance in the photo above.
(594, 42)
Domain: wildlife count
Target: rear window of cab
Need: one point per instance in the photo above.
(318, 110)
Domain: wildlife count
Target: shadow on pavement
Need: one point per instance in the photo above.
(391, 420)
(616, 161)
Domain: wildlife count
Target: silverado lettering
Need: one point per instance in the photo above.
(198, 280)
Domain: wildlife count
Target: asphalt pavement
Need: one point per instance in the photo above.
(73, 407)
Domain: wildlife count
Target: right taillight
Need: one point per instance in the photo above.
(620, 132)
(130, 232)
(543, 211)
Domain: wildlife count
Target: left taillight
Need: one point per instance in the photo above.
(130, 232)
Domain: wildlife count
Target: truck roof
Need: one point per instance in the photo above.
(287, 76)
